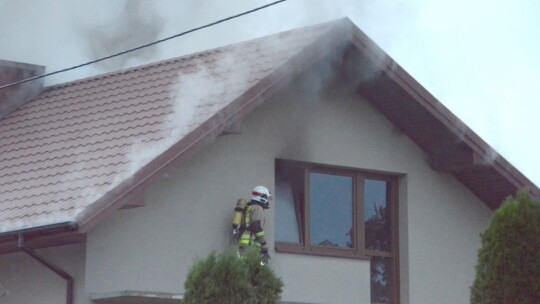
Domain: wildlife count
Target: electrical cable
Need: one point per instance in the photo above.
(143, 46)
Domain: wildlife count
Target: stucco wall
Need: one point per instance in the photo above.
(187, 212)
(312, 279)
(29, 282)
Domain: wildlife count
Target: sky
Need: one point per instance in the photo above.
(480, 58)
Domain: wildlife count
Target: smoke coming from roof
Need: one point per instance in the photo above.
(488, 59)
(64, 33)
(137, 24)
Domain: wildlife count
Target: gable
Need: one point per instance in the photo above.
(189, 209)
(452, 146)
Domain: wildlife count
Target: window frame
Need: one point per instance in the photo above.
(358, 251)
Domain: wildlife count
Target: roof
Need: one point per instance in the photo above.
(77, 141)
(83, 149)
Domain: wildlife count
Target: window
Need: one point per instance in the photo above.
(330, 211)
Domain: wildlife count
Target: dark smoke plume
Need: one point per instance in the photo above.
(136, 26)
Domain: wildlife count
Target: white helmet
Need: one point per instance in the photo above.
(262, 195)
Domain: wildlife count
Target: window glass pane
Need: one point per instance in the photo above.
(331, 210)
(381, 280)
(289, 202)
(377, 216)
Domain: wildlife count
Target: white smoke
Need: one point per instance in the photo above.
(466, 55)
(199, 91)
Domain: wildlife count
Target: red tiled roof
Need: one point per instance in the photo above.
(80, 150)
(77, 141)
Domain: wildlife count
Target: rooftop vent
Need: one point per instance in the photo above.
(13, 97)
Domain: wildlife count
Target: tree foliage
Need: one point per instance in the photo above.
(508, 268)
(225, 278)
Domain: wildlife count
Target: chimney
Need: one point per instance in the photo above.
(15, 96)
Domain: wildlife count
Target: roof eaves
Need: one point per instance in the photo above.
(397, 74)
(484, 151)
(41, 236)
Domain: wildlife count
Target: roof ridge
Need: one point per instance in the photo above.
(51, 91)
(67, 97)
(206, 52)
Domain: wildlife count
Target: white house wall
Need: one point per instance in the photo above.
(188, 212)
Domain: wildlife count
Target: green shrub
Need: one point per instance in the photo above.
(226, 279)
(508, 268)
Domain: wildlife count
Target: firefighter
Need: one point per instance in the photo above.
(253, 235)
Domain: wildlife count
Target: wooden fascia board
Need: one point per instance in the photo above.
(481, 150)
(207, 132)
(418, 93)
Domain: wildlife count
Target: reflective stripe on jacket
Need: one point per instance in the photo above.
(254, 223)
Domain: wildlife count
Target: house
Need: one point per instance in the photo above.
(112, 186)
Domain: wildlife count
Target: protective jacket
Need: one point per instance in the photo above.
(254, 223)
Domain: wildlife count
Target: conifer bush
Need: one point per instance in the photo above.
(225, 278)
(508, 268)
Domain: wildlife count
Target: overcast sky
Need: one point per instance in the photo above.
(480, 58)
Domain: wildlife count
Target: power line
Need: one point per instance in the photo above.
(142, 46)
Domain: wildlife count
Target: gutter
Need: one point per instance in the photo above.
(48, 229)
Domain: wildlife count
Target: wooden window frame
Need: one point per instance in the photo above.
(359, 251)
